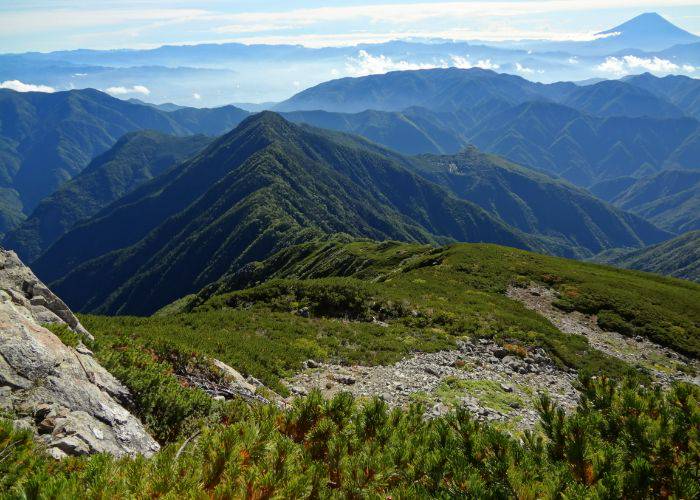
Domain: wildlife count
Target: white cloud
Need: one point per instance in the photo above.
(573, 60)
(522, 69)
(630, 64)
(80, 74)
(606, 35)
(367, 64)
(136, 89)
(465, 63)
(25, 87)
(196, 96)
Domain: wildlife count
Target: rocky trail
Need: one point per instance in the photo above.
(495, 383)
(492, 382)
(664, 364)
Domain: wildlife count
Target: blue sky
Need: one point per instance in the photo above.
(46, 25)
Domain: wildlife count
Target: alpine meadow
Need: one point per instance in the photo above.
(349, 250)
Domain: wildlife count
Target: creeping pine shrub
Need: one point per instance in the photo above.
(166, 407)
(623, 441)
(329, 297)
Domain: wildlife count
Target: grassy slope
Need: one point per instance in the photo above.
(428, 297)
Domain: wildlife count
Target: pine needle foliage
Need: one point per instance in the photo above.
(623, 441)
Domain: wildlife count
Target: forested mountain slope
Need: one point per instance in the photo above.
(264, 186)
(136, 158)
(47, 138)
(679, 257)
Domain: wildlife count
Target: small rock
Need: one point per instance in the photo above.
(83, 350)
(219, 398)
(344, 379)
(46, 426)
(72, 445)
(56, 454)
(500, 353)
(510, 360)
(300, 391)
(41, 411)
(432, 370)
(253, 381)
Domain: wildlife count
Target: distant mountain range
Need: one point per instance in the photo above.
(136, 158)
(46, 139)
(152, 194)
(670, 199)
(679, 257)
(269, 184)
(477, 89)
(202, 75)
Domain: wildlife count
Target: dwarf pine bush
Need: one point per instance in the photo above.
(623, 441)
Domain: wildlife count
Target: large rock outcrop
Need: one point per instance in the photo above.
(62, 393)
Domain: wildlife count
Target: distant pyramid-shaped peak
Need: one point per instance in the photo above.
(648, 24)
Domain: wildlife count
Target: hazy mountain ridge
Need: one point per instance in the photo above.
(535, 203)
(46, 139)
(679, 257)
(670, 199)
(136, 158)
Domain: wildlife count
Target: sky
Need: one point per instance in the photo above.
(47, 25)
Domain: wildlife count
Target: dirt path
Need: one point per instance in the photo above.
(663, 363)
(494, 384)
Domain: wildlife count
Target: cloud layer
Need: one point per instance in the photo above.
(367, 64)
(632, 64)
(136, 89)
(25, 87)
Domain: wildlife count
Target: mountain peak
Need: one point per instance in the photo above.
(266, 124)
(649, 31)
(648, 24)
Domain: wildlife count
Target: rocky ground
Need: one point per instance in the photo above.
(492, 382)
(664, 364)
(496, 383)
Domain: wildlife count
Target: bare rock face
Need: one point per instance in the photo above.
(62, 393)
(26, 291)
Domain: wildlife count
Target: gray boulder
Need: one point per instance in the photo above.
(62, 393)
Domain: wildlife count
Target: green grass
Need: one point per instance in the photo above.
(268, 344)
(488, 392)
(429, 297)
(63, 332)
